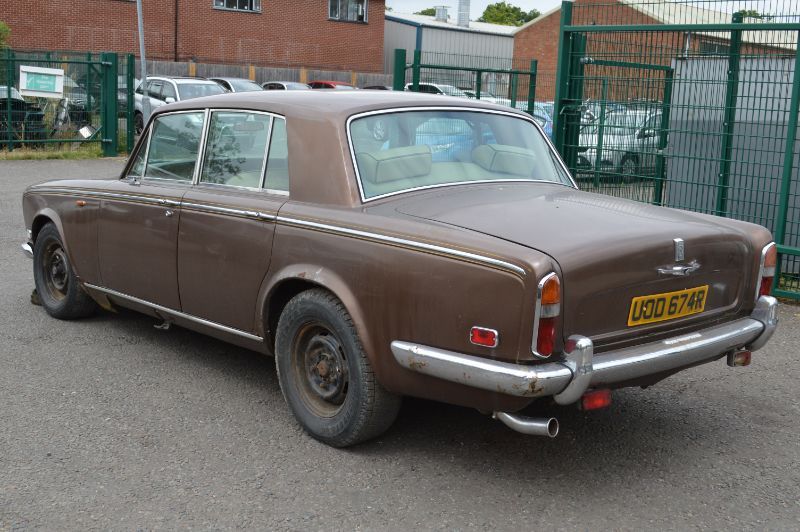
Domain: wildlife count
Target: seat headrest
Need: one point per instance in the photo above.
(394, 163)
(505, 159)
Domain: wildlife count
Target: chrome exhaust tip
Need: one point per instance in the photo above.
(533, 426)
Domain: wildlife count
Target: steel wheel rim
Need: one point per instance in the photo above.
(319, 368)
(55, 267)
(629, 167)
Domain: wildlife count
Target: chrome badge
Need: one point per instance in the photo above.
(680, 252)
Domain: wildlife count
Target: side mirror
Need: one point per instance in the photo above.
(169, 99)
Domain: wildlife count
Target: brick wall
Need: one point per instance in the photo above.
(285, 33)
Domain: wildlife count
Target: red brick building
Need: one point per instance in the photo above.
(322, 34)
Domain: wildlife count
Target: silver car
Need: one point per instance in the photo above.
(163, 90)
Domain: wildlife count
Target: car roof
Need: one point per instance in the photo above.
(328, 81)
(230, 79)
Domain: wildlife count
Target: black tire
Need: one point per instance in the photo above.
(324, 374)
(61, 295)
(629, 170)
(138, 123)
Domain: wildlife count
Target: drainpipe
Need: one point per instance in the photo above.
(175, 40)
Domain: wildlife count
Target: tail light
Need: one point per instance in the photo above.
(548, 308)
(766, 273)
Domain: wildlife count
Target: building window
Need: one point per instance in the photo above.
(239, 5)
(348, 10)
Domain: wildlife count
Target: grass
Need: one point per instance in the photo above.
(74, 153)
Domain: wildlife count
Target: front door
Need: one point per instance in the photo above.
(140, 216)
(228, 218)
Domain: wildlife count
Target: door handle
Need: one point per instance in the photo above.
(168, 214)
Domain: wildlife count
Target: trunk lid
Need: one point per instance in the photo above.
(609, 251)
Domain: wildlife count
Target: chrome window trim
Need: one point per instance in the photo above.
(537, 315)
(266, 153)
(176, 313)
(421, 246)
(521, 116)
(150, 140)
(143, 145)
(266, 159)
(201, 148)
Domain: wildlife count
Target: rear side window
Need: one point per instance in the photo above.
(174, 145)
(277, 178)
(235, 149)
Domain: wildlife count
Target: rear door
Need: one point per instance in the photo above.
(139, 217)
(228, 218)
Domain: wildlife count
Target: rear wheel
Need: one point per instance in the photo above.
(60, 293)
(325, 376)
(629, 168)
(138, 123)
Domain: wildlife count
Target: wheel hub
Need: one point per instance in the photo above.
(326, 370)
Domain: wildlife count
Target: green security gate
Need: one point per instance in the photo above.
(686, 105)
(97, 93)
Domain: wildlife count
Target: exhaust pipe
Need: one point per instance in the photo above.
(529, 425)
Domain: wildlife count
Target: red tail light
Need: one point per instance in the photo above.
(766, 274)
(548, 310)
(484, 337)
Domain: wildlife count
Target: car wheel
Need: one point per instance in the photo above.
(138, 123)
(629, 168)
(61, 294)
(324, 374)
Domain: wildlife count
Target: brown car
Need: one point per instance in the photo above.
(383, 244)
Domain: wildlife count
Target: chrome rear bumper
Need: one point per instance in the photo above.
(580, 370)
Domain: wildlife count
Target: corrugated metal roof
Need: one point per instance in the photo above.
(431, 22)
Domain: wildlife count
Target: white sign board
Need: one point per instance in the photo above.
(41, 82)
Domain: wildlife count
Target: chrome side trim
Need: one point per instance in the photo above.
(581, 369)
(421, 246)
(27, 250)
(176, 313)
(217, 209)
(154, 200)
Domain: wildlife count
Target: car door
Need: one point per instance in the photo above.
(139, 216)
(228, 218)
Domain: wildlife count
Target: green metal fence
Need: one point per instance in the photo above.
(689, 105)
(506, 81)
(93, 112)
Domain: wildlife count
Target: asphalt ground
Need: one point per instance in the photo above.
(108, 423)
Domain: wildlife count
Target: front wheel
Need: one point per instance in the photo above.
(325, 376)
(629, 168)
(59, 291)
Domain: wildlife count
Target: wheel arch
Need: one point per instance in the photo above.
(292, 280)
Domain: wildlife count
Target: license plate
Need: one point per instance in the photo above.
(667, 306)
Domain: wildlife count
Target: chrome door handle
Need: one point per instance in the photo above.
(168, 214)
(162, 201)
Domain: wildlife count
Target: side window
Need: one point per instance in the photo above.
(154, 89)
(137, 168)
(175, 140)
(235, 149)
(278, 160)
(168, 91)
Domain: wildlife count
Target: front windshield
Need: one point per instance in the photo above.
(406, 150)
(244, 85)
(188, 91)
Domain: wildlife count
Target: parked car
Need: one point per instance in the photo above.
(338, 85)
(321, 229)
(285, 86)
(26, 118)
(163, 90)
(237, 84)
(437, 88)
(629, 143)
(122, 94)
(378, 87)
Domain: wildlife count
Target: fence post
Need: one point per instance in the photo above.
(9, 83)
(663, 140)
(532, 86)
(562, 74)
(89, 106)
(788, 162)
(598, 154)
(130, 80)
(108, 101)
(415, 70)
(478, 84)
(399, 81)
(514, 84)
(729, 118)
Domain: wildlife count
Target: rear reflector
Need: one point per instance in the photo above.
(484, 337)
(596, 399)
(546, 341)
(739, 358)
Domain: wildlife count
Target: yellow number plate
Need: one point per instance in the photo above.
(667, 306)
